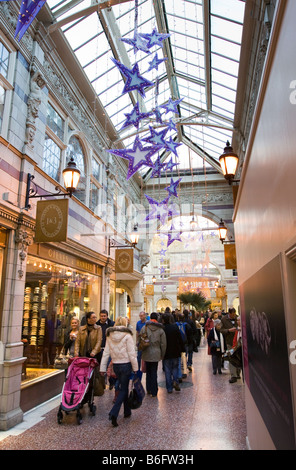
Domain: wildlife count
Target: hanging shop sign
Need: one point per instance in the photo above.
(149, 289)
(52, 221)
(220, 292)
(124, 260)
(230, 256)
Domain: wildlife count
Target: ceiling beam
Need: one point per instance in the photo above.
(80, 14)
(207, 51)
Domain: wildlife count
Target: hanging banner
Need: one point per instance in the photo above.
(220, 292)
(52, 221)
(149, 289)
(230, 256)
(124, 260)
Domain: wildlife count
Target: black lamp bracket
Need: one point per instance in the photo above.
(32, 192)
(114, 244)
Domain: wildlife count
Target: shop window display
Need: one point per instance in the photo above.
(54, 294)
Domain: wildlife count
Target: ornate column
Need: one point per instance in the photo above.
(36, 84)
(107, 272)
(11, 370)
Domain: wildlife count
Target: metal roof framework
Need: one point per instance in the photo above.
(200, 68)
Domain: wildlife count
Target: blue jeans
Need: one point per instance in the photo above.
(123, 373)
(139, 359)
(171, 372)
(151, 377)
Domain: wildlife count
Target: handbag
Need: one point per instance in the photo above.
(144, 340)
(99, 385)
(110, 371)
(61, 360)
(215, 345)
(137, 394)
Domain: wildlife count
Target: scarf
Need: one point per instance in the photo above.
(221, 340)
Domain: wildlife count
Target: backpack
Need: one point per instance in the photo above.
(182, 329)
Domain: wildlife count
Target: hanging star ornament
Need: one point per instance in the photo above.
(161, 210)
(28, 11)
(158, 166)
(134, 117)
(157, 113)
(172, 106)
(155, 62)
(138, 43)
(170, 165)
(172, 188)
(134, 81)
(156, 138)
(173, 237)
(155, 38)
(138, 156)
(171, 146)
(171, 125)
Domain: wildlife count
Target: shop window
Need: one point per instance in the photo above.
(5, 81)
(96, 169)
(51, 158)
(2, 101)
(95, 186)
(55, 121)
(54, 294)
(94, 198)
(75, 149)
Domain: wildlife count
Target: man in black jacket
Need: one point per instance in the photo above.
(175, 347)
(228, 329)
(104, 323)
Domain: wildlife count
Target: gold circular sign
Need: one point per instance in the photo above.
(51, 220)
(125, 260)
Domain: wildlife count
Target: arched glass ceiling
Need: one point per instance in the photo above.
(201, 67)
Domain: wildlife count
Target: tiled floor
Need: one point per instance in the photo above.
(208, 414)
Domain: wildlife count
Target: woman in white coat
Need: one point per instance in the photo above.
(120, 346)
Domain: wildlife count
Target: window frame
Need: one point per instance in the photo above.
(7, 83)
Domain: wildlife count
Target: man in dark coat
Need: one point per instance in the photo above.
(104, 322)
(228, 329)
(175, 347)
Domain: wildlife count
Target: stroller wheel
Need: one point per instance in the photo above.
(93, 409)
(79, 418)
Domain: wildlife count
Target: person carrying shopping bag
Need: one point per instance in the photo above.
(154, 352)
(120, 346)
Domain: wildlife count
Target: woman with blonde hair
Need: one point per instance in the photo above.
(120, 346)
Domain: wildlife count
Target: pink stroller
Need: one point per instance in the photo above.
(78, 388)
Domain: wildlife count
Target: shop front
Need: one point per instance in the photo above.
(58, 287)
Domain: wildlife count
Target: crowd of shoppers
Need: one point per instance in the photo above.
(173, 338)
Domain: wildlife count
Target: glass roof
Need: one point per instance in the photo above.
(199, 67)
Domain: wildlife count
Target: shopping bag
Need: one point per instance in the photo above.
(61, 360)
(137, 393)
(99, 385)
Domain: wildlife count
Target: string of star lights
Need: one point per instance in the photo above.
(140, 154)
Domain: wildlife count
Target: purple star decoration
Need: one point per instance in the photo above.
(27, 13)
(134, 81)
(138, 43)
(161, 210)
(158, 166)
(155, 62)
(137, 156)
(171, 106)
(154, 38)
(172, 188)
(172, 238)
(134, 117)
(156, 138)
